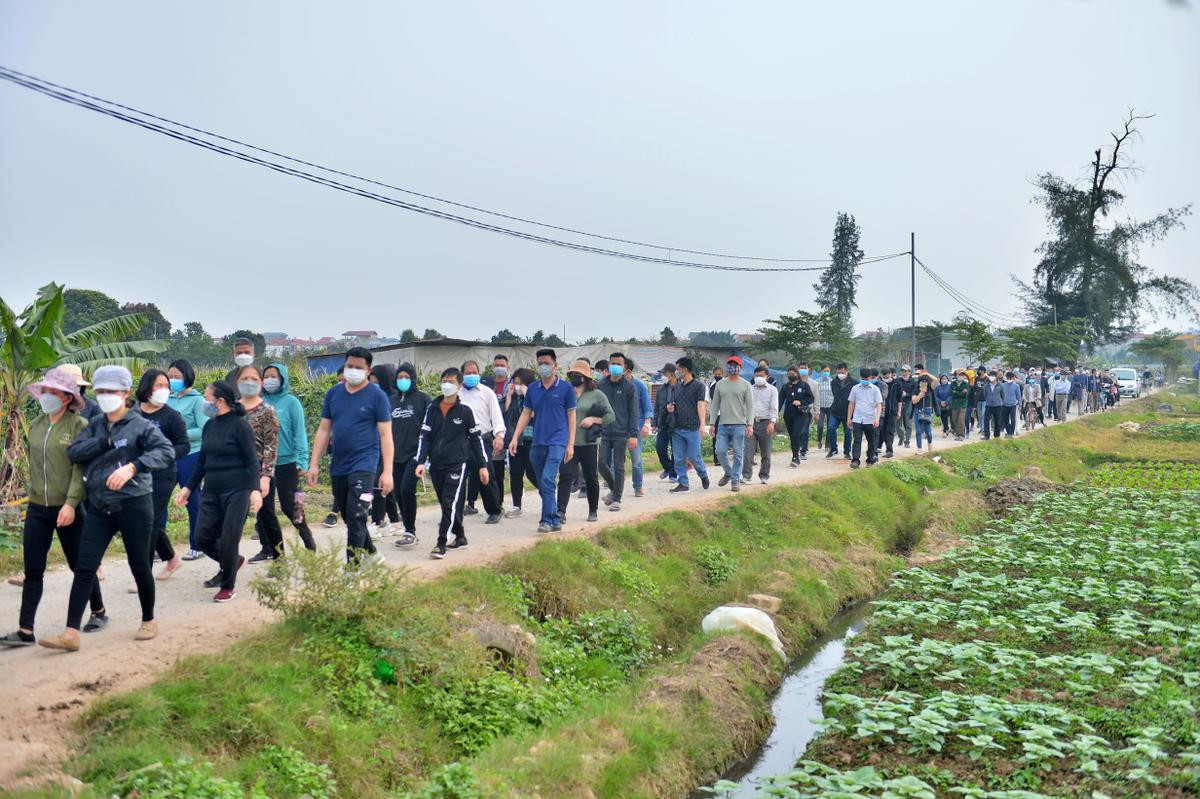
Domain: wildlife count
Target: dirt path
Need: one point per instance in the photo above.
(43, 691)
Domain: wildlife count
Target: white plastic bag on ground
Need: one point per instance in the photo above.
(727, 619)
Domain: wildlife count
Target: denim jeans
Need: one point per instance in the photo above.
(831, 435)
(731, 435)
(546, 459)
(635, 455)
(981, 420)
(183, 472)
(924, 426)
(685, 445)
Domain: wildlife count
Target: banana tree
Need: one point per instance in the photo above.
(32, 342)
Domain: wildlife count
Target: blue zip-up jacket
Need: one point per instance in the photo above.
(190, 405)
(942, 394)
(293, 435)
(645, 406)
(1011, 391)
(993, 394)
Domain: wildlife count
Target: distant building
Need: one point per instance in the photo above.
(357, 334)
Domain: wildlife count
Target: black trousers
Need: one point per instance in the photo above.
(133, 518)
(662, 446)
(219, 529)
(887, 430)
(491, 494)
(944, 413)
(284, 486)
(585, 462)
(449, 484)
(349, 491)
(798, 424)
(519, 468)
(612, 465)
(864, 430)
(385, 505)
(40, 523)
(404, 481)
(160, 498)
(994, 423)
(1010, 419)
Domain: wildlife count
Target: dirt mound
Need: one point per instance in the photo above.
(1002, 496)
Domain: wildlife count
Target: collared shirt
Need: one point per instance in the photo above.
(550, 406)
(688, 397)
(766, 402)
(1062, 386)
(864, 399)
(486, 408)
(824, 392)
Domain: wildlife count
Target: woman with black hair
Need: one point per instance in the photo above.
(189, 404)
(153, 396)
(592, 410)
(518, 465)
(229, 469)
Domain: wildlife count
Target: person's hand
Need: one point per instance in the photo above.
(182, 497)
(708, 431)
(568, 454)
(875, 423)
(512, 447)
(645, 428)
(632, 442)
(117, 480)
(66, 517)
(796, 403)
(386, 483)
(770, 428)
(312, 477)
(497, 445)
(255, 501)
(749, 430)
(670, 407)
(484, 475)
(264, 485)
(419, 471)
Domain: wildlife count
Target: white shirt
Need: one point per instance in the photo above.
(483, 403)
(864, 399)
(766, 401)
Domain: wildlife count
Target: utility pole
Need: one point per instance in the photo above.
(912, 262)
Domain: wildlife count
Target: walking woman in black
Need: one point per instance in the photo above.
(119, 451)
(153, 391)
(229, 470)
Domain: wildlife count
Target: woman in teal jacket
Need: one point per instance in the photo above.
(190, 405)
(290, 462)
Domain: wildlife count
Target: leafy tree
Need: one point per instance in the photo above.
(537, 339)
(976, 340)
(871, 349)
(156, 325)
(1090, 271)
(196, 345)
(1032, 344)
(34, 341)
(85, 307)
(839, 282)
(807, 336)
(407, 335)
(553, 340)
(704, 363)
(713, 338)
(1162, 347)
(431, 332)
(668, 338)
(505, 336)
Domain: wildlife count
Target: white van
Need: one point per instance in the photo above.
(1128, 382)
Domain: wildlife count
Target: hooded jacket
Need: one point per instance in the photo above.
(292, 446)
(101, 449)
(53, 479)
(408, 410)
(190, 405)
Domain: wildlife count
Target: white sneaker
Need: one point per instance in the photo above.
(377, 558)
(374, 531)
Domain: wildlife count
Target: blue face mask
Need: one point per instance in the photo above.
(803, 372)
(404, 384)
(470, 381)
(176, 385)
(616, 370)
(825, 373)
(210, 410)
(864, 382)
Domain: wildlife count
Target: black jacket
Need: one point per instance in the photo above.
(908, 389)
(891, 396)
(623, 398)
(408, 412)
(103, 448)
(841, 396)
(450, 439)
(790, 392)
(664, 419)
(168, 420)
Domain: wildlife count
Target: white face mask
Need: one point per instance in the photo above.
(160, 396)
(243, 359)
(109, 402)
(50, 403)
(449, 389)
(355, 377)
(249, 388)
(759, 380)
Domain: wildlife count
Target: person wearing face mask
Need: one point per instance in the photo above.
(718, 376)
(620, 435)
(90, 409)
(765, 399)
(941, 396)
(1012, 391)
(645, 415)
(265, 426)
(408, 410)
(551, 402)
(1031, 396)
(824, 403)
(838, 409)
(358, 418)
(960, 398)
(796, 401)
(189, 404)
(592, 411)
(864, 408)
(153, 393)
(243, 355)
(291, 456)
(731, 420)
(118, 453)
(518, 466)
(890, 392)
(908, 388)
(690, 407)
(385, 508)
(924, 403)
(55, 490)
(451, 442)
(490, 418)
(498, 380)
(663, 425)
(993, 402)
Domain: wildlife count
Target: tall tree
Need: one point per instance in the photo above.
(431, 332)
(505, 336)
(1029, 345)
(807, 336)
(407, 335)
(839, 282)
(668, 338)
(976, 341)
(1090, 270)
(156, 325)
(714, 338)
(83, 307)
(1162, 347)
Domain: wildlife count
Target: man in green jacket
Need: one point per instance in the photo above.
(290, 460)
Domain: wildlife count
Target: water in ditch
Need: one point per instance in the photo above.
(798, 703)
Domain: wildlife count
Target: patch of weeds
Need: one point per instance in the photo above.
(716, 565)
(1182, 430)
(182, 779)
(632, 578)
(453, 781)
(292, 776)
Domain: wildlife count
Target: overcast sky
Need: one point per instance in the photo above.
(738, 127)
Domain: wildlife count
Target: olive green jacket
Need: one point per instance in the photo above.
(53, 479)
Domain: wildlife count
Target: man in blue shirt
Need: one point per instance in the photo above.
(358, 416)
(551, 402)
(1010, 390)
(645, 414)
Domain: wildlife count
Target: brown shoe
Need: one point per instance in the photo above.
(146, 631)
(68, 641)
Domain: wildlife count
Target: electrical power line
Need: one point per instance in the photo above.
(94, 103)
(968, 304)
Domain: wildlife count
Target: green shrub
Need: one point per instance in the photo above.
(291, 776)
(453, 781)
(1183, 430)
(181, 779)
(716, 566)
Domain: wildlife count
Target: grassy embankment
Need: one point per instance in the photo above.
(382, 685)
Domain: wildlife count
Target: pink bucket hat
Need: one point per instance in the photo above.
(60, 380)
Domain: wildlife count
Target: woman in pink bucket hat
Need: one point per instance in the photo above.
(56, 494)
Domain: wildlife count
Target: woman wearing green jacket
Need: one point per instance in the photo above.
(189, 403)
(960, 397)
(291, 459)
(55, 498)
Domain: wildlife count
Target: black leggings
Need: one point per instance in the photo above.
(219, 529)
(518, 468)
(586, 460)
(133, 518)
(40, 524)
(285, 485)
(164, 484)
(385, 505)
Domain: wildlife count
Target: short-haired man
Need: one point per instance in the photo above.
(358, 417)
(622, 434)
(765, 398)
(1012, 392)
(824, 402)
(838, 411)
(499, 379)
(718, 376)
(731, 415)
(488, 415)
(243, 355)
(864, 409)
(663, 424)
(645, 415)
(908, 389)
(689, 404)
(552, 401)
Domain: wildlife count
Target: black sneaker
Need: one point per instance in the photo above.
(664, 475)
(215, 580)
(591, 517)
(724, 481)
(556, 528)
(330, 521)
(96, 623)
(829, 455)
(679, 489)
(438, 552)
(493, 518)
(795, 462)
(459, 542)
(803, 456)
(470, 510)
(18, 638)
(853, 464)
(263, 555)
(704, 481)
(889, 454)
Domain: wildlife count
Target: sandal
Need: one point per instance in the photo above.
(97, 622)
(15, 639)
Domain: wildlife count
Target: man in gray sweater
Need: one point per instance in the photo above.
(733, 404)
(622, 434)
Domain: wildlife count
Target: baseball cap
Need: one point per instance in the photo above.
(734, 359)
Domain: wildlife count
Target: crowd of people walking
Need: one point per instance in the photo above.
(108, 466)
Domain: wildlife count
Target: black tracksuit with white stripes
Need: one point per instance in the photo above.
(451, 443)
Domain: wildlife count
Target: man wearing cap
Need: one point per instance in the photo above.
(664, 422)
(90, 409)
(731, 416)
